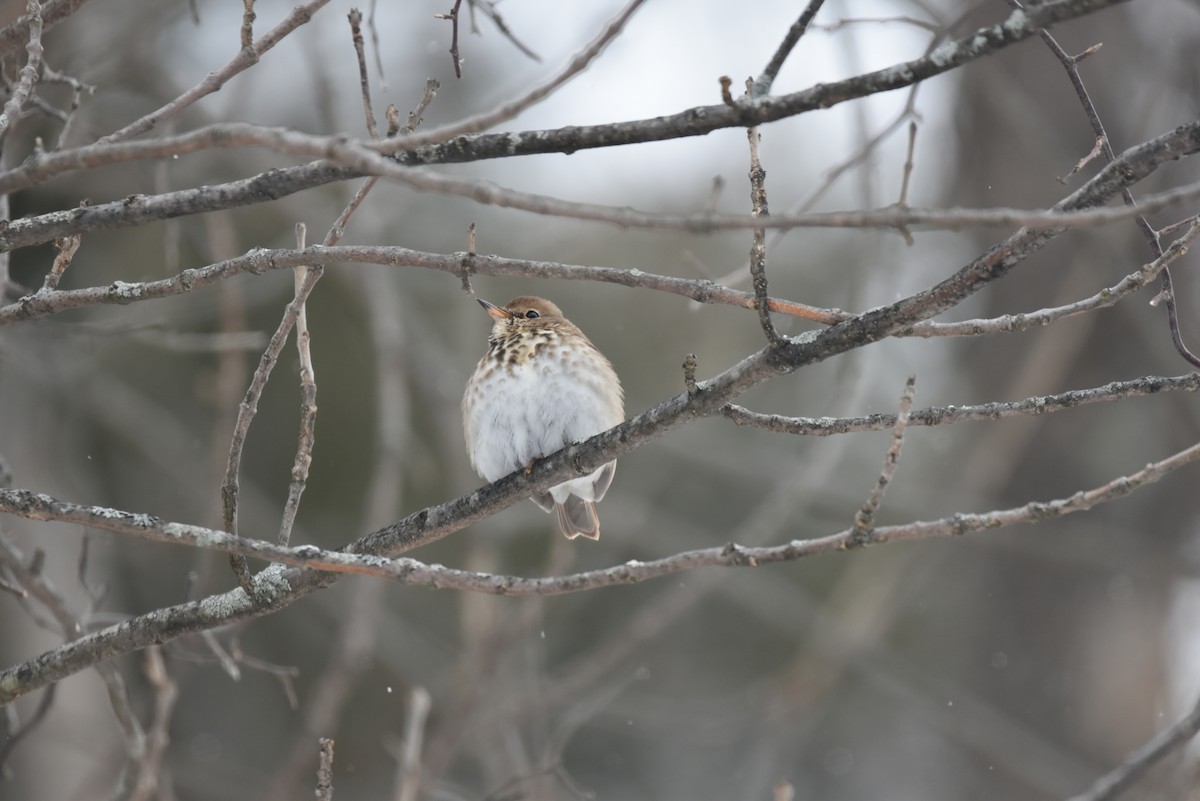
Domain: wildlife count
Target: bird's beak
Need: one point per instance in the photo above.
(494, 311)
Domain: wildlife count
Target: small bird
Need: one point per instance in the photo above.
(541, 386)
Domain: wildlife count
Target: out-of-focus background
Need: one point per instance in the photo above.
(1020, 663)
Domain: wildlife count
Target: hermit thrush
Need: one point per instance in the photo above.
(541, 386)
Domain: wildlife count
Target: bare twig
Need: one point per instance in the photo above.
(689, 374)
(50, 13)
(415, 116)
(66, 248)
(284, 674)
(762, 84)
(324, 791)
(1112, 784)
(864, 519)
(726, 84)
(308, 405)
(758, 250)
(510, 109)
(355, 17)
(452, 15)
(16, 736)
(246, 412)
(944, 415)
(247, 57)
(489, 9)
(375, 45)
(148, 776)
(408, 774)
(29, 73)
(257, 261)
(47, 303)
(908, 163)
(248, 17)
(1094, 153)
(832, 27)
(78, 88)
(1103, 299)
(1070, 64)
(29, 574)
(907, 177)
(224, 659)
(12, 589)
(23, 503)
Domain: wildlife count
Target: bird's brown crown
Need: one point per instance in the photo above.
(521, 306)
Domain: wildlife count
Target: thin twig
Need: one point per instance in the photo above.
(758, 250)
(408, 774)
(324, 791)
(1112, 784)
(224, 659)
(1103, 299)
(308, 404)
(355, 17)
(29, 73)
(246, 412)
(1152, 238)
(908, 163)
(454, 54)
(907, 177)
(1095, 152)
(247, 57)
(15, 737)
(489, 9)
(29, 574)
(45, 304)
(833, 27)
(66, 248)
(689, 374)
(946, 415)
(832, 175)
(78, 88)
(510, 109)
(762, 84)
(248, 17)
(383, 84)
(864, 519)
(146, 782)
(416, 116)
(50, 13)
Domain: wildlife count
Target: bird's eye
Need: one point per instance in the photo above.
(532, 315)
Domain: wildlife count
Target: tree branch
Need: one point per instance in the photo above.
(939, 415)
(1133, 165)
(430, 576)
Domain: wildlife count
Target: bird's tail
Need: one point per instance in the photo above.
(577, 518)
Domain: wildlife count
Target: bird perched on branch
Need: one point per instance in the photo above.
(541, 386)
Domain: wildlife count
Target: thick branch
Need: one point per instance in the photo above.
(1132, 166)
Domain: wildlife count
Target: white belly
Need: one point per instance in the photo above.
(530, 410)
